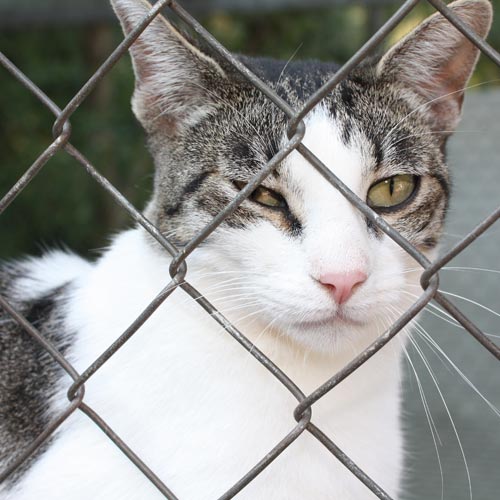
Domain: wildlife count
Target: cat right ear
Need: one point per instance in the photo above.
(171, 74)
(436, 61)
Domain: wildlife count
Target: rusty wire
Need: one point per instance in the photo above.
(178, 268)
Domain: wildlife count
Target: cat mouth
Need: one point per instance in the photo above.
(338, 319)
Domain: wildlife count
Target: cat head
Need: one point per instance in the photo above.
(297, 254)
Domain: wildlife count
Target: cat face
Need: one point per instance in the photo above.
(296, 253)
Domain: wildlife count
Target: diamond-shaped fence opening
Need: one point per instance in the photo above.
(180, 256)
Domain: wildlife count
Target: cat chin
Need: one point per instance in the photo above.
(334, 336)
(336, 324)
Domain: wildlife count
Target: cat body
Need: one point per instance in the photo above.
(296, 268)
(234, 407)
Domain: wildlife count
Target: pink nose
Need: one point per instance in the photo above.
(342, 285)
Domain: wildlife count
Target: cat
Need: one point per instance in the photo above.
(296, 268)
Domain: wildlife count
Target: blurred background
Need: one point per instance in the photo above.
(60, 43)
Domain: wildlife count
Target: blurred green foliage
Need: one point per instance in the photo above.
(63, 205)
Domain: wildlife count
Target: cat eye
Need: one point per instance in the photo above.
(265, 196)
(392, 192)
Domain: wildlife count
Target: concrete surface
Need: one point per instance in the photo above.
(474, 156)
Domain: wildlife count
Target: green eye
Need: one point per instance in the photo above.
(392, 191)
(264, 196)
(268, 198)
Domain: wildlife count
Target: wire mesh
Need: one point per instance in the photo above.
(178, 268)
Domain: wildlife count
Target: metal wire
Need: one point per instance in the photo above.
(178, 268)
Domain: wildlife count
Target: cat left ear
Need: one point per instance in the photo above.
(436, 61)
(173, 77)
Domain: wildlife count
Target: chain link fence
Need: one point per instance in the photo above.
(180, 256)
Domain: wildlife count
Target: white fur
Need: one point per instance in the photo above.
(191, 402)
(43, 274)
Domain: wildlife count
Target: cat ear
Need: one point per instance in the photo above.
(171, 73)
(436, 60)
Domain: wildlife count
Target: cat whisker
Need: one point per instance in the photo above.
(431, 101)
(220, 284)
(237, 307)
(478, 304)
(479, 269)
(453, 322)
(436, 132)
(265, 329)
(430, 420)
(448, 412)
(232, 297)
(287, 63)
(438, 350)
(445, 316)
(451, 268)
(441, 395)
(407, 332)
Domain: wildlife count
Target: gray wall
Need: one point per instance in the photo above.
(474, 155)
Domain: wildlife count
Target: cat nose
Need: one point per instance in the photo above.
(342, 285)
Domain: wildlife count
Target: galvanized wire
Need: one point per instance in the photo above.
(178, 268)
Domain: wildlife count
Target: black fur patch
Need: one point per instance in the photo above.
(196, 183)
(373, 228)
(190, 188)
(294, 225)
(429, 243)
(29, 374)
